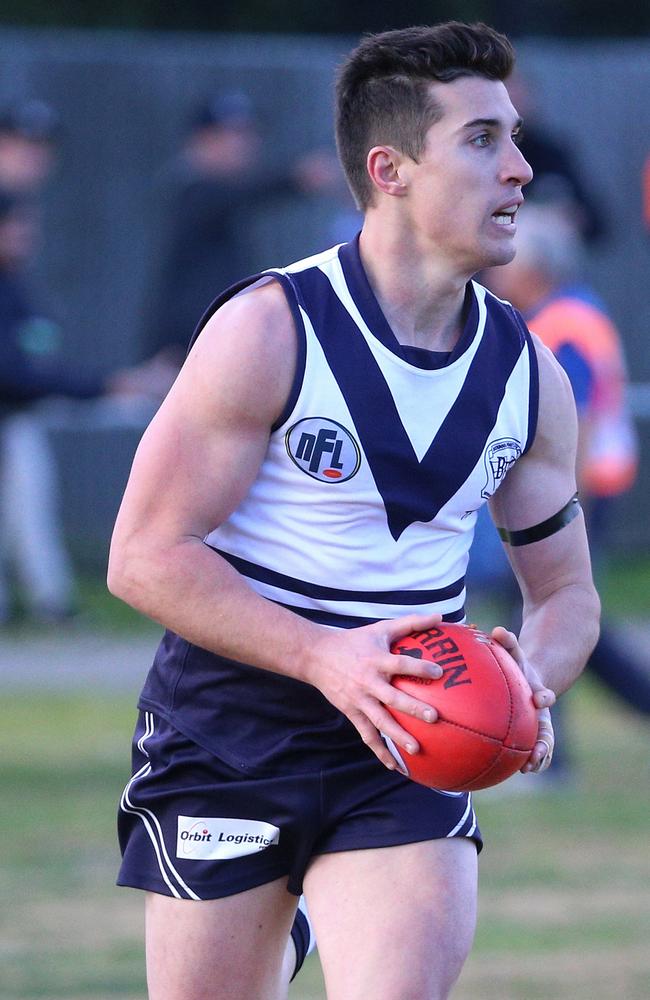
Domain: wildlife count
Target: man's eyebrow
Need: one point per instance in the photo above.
(491, 123)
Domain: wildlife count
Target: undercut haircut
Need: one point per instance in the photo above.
(382, 89)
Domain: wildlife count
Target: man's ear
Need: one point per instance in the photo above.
(383, 164)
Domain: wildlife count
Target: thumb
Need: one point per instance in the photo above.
(543, 697)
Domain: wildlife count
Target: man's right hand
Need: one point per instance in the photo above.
(353, 668)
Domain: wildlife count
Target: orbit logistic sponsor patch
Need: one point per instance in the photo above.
(201, 838)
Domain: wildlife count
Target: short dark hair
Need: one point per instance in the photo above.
(382, 90)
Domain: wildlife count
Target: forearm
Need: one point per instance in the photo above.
(191, 590)
(559, 633)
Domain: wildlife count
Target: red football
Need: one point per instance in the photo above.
(487, 721)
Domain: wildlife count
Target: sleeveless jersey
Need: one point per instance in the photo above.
(365, 503)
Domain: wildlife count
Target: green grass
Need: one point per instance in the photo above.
(63, 762)
(564, 906)
(625, 587)
(95, 609)
(565, 874)
(564, 903)
(105, 611)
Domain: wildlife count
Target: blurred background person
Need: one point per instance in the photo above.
(29, 133)
(31, 538)
(558, 176)
(31, 370)
(218, 176)
(544, 283)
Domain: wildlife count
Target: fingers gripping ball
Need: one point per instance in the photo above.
(487, 721)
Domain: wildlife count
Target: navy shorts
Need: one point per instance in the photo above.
(194, 827)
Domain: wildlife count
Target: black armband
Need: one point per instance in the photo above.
(546, 528)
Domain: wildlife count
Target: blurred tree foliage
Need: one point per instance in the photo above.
(554, 18)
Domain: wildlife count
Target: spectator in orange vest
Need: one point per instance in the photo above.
(542, 283)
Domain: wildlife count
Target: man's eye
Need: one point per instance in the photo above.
(481, 140)
(517, 137)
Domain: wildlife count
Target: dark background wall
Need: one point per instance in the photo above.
(568, 18)
(123, 98)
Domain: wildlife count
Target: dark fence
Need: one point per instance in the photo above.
(123, 98)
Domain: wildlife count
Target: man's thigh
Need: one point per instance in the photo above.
(219, 948)
(394, 923)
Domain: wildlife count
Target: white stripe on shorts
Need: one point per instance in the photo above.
(146, 815)
(463, 819)
(148, 731)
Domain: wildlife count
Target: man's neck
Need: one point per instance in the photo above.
(421, 300)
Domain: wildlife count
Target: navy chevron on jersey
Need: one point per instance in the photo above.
(365, 503)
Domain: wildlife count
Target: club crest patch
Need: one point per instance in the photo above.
(498, 458)
(323, 449)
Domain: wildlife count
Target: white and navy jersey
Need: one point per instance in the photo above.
(365, 503)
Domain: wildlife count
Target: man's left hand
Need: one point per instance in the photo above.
(542, 753)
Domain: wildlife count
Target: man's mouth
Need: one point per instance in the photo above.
(505, 216)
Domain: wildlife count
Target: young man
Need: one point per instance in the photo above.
(307, 494)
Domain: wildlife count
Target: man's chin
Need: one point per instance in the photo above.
(499, 256)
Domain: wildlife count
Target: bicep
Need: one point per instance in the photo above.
(188, 474)
(539, 486)
(544, 479)
(202, 451)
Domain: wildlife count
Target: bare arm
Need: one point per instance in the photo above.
(194, 465)
(561, 607)
(560, 624)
